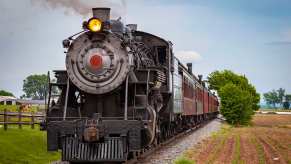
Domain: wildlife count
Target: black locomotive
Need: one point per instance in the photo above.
(122, 92)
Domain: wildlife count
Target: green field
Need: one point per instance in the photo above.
(15, 108)
(25, 146)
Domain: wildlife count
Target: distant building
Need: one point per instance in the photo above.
(23, 103)
(31, 102)
(8, 100)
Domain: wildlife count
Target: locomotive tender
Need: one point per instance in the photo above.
(122, 92)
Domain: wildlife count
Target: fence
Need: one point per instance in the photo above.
(16, 118)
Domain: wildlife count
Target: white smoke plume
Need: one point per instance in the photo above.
(84, 7)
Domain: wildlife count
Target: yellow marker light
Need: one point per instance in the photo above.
(94, 25)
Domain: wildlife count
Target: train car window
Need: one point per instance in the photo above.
(188, 88)
(161, 54)
(177, 88)
(184, 87)
(191, 90)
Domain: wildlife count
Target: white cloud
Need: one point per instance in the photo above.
(188, 56)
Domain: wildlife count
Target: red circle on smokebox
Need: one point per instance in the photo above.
(96, 61)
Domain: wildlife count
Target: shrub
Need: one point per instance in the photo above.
(235, 105)
(239, 99)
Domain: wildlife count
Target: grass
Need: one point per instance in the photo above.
(183, 160)
(25, 146)
(15, 119)
(10, 108)
(237, 154)
(15, 108)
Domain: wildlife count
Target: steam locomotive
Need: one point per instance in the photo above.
(122, 92)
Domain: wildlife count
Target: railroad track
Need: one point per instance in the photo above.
(176, 138)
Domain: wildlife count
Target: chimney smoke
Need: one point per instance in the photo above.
(83, 7)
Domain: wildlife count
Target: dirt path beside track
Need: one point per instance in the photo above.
(170, 152)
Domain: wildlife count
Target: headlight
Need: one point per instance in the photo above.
(94, 25)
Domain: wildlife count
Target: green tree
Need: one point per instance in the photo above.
(287, 102)
(288, 97)
(271, 98)
(235, 106)
(6, 93)
(239, 99)
(286, 105)
(35, 86)
(281, 95)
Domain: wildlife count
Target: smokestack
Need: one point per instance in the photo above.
(189, 65)
(101, 13)
(200, 78)
(132, 27)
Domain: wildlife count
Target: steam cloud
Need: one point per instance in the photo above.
(84, 7)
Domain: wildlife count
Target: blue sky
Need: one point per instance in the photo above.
(250, 37)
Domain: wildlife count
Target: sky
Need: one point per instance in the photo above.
(250, 37)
